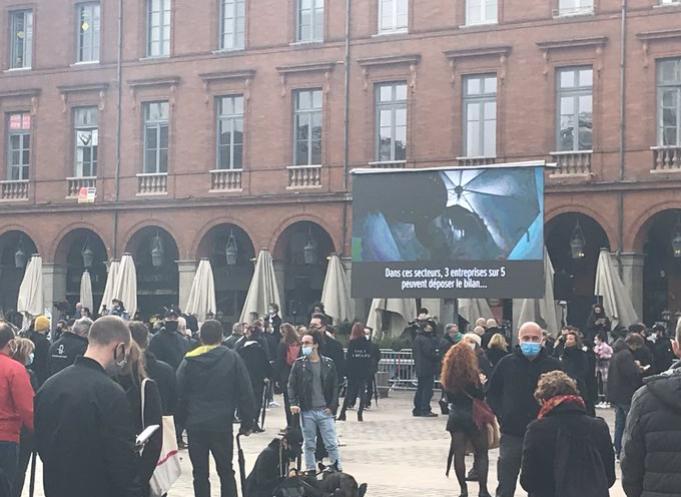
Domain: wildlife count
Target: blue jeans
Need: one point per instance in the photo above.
(9, 459)
(621, 412)
(309, 422)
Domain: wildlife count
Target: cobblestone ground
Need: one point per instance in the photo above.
(396, 454)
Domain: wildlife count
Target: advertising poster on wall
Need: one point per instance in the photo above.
(457, 232)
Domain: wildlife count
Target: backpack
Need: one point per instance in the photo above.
(292, 353)
(578, 467)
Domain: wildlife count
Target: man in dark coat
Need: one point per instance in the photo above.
(159, 371)
(491, 329)
(625, 376)
(427, 365)
(168, 345)
(83, 429)
(259, 368)
(330, 347)
(212, 383)
(72, 344)
(38, 335)
(510, 394)
(651, 460)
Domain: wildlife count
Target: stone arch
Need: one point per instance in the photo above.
(60, 246)
(136, 229)
(195, 251)
(40, 247)
(635, 236)
(276, 239)
(609, 230)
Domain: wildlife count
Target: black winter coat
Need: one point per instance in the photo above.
(266, 473)
(64, 351)
(281, 366)
(164, 376)
(153, 412)
(543, 453)
(300, 384)
(461, 409)
(358, 359)
(212, 383)
(663, 355)
(575, 363)
(41, 355)
(273, 340)
(487, 336)
(426, 354)
(495, 355)
(651, 461)
(332, 348)
(375, 352)
(510, 389)
(169, 347)
(256, 361)
(624, 377)
(85, 435)
(446, 343)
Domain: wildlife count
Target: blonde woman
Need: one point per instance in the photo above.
(497, 348)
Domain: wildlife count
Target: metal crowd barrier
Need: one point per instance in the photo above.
(400, 368)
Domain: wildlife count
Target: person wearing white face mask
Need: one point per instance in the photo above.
(83, 426)
(313, 394)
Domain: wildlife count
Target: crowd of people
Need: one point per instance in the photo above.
(80, 394)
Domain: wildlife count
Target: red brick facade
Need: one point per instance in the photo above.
(523, 49)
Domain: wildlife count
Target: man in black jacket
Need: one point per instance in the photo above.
(72, 344)
(427, 365)
(258, 366)
(168, 345)
(330, 347)
(511, 395)
(38, 335)
(313, 393)
(651, 461)
(213, 382)
(159, 371)
(83, 429)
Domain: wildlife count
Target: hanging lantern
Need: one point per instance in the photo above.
(20, 258)
(88, 256)
(676, 239)
(310, 250)
(231, 249)
(157, 251)
(577, 242)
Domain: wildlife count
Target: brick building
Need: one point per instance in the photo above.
(233, 123)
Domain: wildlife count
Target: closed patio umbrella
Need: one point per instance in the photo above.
(616, 300)
(263, 289)
(125, 288)
(86, 290)
(336, 292)
(30, 300)
(109, 287)
(390, 317)
(201, 299)
(543, 309)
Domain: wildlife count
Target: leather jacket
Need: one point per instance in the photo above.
(300, 384)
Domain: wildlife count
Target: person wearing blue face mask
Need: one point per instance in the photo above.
(510, 394)
(313, 394)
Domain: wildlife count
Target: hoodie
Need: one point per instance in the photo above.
(651, 461)
(212, 383)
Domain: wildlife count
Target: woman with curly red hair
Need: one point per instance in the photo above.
(460, 378)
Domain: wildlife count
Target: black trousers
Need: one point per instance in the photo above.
(221, 446)
(424, 394)
(26, 446)
(356, 387)
(258, 391)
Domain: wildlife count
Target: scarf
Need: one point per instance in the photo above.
(554, 402)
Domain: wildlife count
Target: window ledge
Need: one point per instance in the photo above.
(229, 51)
(570, 152)
(479, 25)
(667, 5)
(153, 58)
(566, 14)
(85, 63)
(17, 69)
(306, 166)
(305, 43)
(396, 32)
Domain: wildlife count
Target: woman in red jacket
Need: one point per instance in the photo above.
(16, 405)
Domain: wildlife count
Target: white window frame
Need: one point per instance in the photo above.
(673, 87)
(317, 14)
(23, 168)
(233, 28)
(393, 106)
(164, 13)
(26, 50)
(481, 6)
(670, 2)
(88, 41)
(231, 121)
(307, 117)
(157, 126)
(93, 146)
(575, 7)
(481, 101)
(575, 92)
(395, 26)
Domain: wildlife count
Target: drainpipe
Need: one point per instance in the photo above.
(119, 96)
(622, 144)
(346, 119)
(622, 130)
